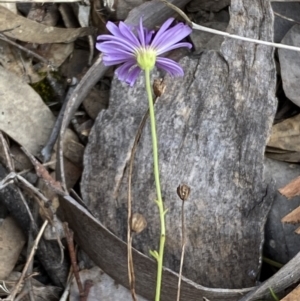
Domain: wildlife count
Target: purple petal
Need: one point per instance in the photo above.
(120, 55)
(162, 29)
(148, 36)
(110, 60)
(127, 33)
(123, 71)
(169, 66)
(123, 31)
(171, 37)
(133, 75)
(178, 45)
(128, 72)
(141, 33)
(110, 48)
(171, 32)
(119, 42)
(114, 29)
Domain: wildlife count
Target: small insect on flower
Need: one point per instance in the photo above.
(137, 48)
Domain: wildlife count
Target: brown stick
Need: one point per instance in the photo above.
(70, 241)
(11, 297)
(9, 162)
(87, 286)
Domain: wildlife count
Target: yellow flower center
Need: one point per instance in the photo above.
(146, 58)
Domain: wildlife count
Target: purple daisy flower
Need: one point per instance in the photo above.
(137, 48)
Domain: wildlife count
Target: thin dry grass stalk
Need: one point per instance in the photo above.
(131, 275)
(12, 296)
(183, 192)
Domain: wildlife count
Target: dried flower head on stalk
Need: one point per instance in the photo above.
(137, 48)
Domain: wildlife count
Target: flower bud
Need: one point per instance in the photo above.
(138, 223)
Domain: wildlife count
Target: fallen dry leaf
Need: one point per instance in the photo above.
(12, 241)
(292, 189)
(293, 217)
(23, 29)
(284, 143)
(23, 115)
(14, 60)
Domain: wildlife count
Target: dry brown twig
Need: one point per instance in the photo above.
(9, 161)
(12, 296)
(27, 290)
(43, 173)
(70, 241)
(87, 286)
(83, 291)
(28, 287)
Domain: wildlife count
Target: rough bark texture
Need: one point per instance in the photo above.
(212, 127)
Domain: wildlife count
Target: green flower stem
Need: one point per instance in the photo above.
(159, 201)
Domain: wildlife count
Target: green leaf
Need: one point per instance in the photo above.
(154, 254)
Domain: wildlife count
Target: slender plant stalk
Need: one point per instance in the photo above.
(159, 200)
(182, 251)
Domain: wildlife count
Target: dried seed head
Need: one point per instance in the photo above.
(183, 191)
(138, 223)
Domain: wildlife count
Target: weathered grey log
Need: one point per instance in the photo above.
(212, 126)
